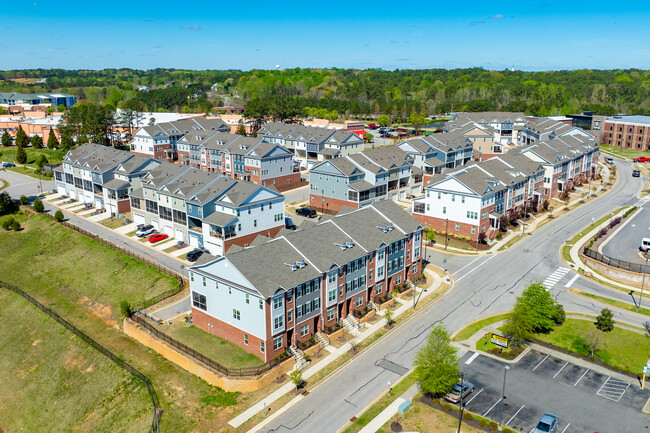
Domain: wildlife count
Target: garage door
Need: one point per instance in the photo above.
(89, 197)
(155, 224)
(61, 190)
(72, 194)
(178, 234)
(169, 230)
(138, 219)
(194, 241)
(111, 209)
(98, 204)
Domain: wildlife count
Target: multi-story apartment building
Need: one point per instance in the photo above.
(206, 209)
(361, 179)
(505, 126)
(159, 141)
(312, 145)
(88, 170)
(485, 146)
(280, 293)
(242, 158)
(472, 200)
(548, 129)
(24, 102)
(629, 132)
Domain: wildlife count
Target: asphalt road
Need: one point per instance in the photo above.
(484, 285)
(625, 245)
(539, 383)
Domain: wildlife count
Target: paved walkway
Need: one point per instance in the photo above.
(385, 415)
(366, 332)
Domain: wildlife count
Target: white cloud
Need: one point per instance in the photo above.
(192, 27)
(497, 16)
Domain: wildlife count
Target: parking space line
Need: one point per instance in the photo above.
(495, 403)
(583, 375)
(472, 358)
(516, 413)
(613, 391)
(567, 426)
(560, 369)
(475, 395)
(540, 363)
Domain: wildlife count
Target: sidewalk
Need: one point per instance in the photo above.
(386, 414)
(365, 333)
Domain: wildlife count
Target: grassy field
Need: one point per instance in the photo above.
(473, 328)
(44, 371)
(619, 304)
(8, 154)
(622, 348)
(114, 223)
(218, 349)
(83, 281)
(625, 153)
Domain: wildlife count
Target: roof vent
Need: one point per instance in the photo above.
(386, 229)
(296, 265)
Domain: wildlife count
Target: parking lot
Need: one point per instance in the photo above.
(625, 245)
(584, 400)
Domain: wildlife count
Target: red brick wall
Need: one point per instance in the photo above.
(228, 332)
(281, 181)
(440, 224)
(247, 239)
(331, 205)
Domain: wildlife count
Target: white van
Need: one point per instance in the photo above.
(645, 245)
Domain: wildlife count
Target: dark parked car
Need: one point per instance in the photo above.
(464, 388)
(636, 173)
(194, 255)
(306, 212)
(8, 164)
(145, 231)
(548, 423)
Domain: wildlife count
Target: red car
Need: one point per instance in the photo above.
(159, 237)
(642, 159)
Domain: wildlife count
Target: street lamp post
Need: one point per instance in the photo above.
(503, 396)
(322, 200)
(462, 405)
(643, 281)
(446, 233)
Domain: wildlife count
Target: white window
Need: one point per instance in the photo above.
(262, 346)
(277, 342)
(289, 315)
(379, 288)
(359, 300)
(331, 295)
(278, 303)
(398, 279)
(330, 314)
(261, 304)
(199, 301)
(246, 339)
(304, 330)
(278, 322)
(236, 314)
(248, 299)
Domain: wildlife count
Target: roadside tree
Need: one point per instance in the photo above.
(52, 141)
(605, 321)
(592, 340)
(22, 140)
(383, 120)
(38, 205)
(7, 204)
(58, 217)
(436, 363)
(6, 139)
(37, 142)
(21, 155)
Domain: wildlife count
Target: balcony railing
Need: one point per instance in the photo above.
(226, 235)
(196, 229)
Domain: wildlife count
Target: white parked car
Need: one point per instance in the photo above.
(145, 230)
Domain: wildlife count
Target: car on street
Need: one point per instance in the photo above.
(609, 160)
(8, 164)
(306, 212)
(548, 423)
(636, 173)
(158, 237)
(145, 230)
(642, 159)
(194, 255)
(460, 389)
(645, 245)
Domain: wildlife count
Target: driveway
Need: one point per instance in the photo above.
(540, 383)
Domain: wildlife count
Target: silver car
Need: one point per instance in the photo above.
(464, 389)
(548, 423)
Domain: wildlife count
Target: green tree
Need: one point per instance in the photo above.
(431, 235)
(383, 120)
(605, 321)
(37, 142)
(436, 362)
(417, 121)
(52, 141)
(24, 200)
(241, 129)
(89, 122)
(38, 205)
(15, 225)
(7, 204)
(125, 307)
(296, 378)
(367, 137)
(6, 223)
(540, 307)
(22, 140)
(41, 161)
(6, 139)
(58, 216)
(21, 155)
(518, 326)
(67, 141)
(388, 315)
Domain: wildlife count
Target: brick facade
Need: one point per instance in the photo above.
(626, 135)
(329, 205)
(246, 240)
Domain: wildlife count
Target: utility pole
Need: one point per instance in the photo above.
(322, 200)
(446, 233)
(461, 404)
(503, 396)
(645, 270)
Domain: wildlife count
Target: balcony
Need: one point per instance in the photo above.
(219, 235)
(195, 229)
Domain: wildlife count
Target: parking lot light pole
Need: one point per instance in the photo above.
(462, 405)
(503, 396)
(645, 270)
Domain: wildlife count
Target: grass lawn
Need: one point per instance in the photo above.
(48, 370)
(113, 223)
(619, 304)
(8, 154)
(26, 171)
(625, 153)
(84, 281)
(620, 347)
(218, 349)
(3, 184)
(473, 328)
(593, 225)
(49, 259)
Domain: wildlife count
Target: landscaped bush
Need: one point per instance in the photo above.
(493, 425)
(446, 407)
(629, 211)
(495, 350)
(23, 200)
(58, 216)
(15, 225)
(467, 416)
(482, 423)
(38, 205)
(602, 232)
(6, 223)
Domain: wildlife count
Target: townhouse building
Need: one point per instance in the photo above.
(87, 174)
(472, 201)
(361, 179)
(159, 141)
(25, 102)
(206, 209)
(435, 153)
(243, 158)
(548, 129)
(279, 293)
(629, 132)
(484, 144)
(504, 125)
(311, 145)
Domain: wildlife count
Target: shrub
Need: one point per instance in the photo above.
(592, 358)
(126, 309)
(467, 416)
(493, 425)
(15, 225)
(38, 205)
(446, 407)
(482, 423)
(570, 352)
(337, 324)
(495, 350)
(6, 223)
(24, 199)
(303, 344)
(602, 232)
(498, 236)
(329, 329)
(307, 358)
(58, 216)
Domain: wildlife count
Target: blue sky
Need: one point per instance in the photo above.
(528, 35)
